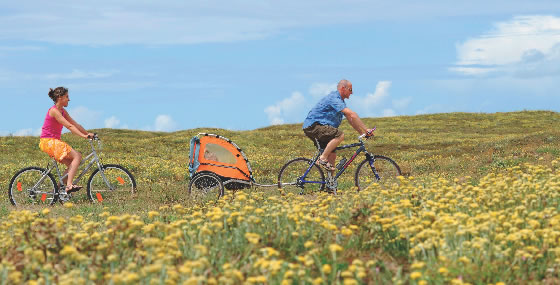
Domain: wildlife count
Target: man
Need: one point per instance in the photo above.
(323, 120)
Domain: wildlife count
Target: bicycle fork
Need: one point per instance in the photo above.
(371, 160)
(102, 171)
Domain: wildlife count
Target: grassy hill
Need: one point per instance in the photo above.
(450, 145)
(454, 145)
(468, 148)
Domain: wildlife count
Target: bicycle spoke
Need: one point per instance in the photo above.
(291, 180)
(114, 183)
(206, 187)
(32, 186)
(384, 173)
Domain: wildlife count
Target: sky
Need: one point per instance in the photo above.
(246, 64)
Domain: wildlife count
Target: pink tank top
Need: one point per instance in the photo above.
(51, 127)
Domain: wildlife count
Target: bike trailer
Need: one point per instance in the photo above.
(221, 156)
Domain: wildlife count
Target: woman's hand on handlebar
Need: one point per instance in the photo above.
(91, 136)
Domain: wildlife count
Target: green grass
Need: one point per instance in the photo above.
(444, 156)
(452, 145)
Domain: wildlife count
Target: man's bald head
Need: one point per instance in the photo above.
(344, 88)
(343, 83)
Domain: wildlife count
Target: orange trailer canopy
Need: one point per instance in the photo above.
(217, 154)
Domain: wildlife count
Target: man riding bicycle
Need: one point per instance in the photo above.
(323, 121)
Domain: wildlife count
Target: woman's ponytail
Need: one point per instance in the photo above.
(57, 92)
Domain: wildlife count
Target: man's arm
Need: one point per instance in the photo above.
(355, 121)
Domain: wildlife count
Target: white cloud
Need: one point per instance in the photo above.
(27, 132)
(112, 122)
(435, 108)
(277, 121)
(319, 90)
(89, 119)
(381, 92)
(111, 85)
(389, 113)
(22, 133)
(524, 45)
(20, 48)
(370, 104)
(164, 123)
(402, 103)
(79, 74)
(289, 110)
(107, 22)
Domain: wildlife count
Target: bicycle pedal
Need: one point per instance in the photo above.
(64, 197)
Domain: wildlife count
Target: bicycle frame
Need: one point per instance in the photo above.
(361, 148)
(94, 159)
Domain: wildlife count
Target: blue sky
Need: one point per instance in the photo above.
(174, 65)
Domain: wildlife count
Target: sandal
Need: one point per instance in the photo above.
(73, 188)
(325, 164)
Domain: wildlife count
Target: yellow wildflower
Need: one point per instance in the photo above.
(415, 275)
(152, 214)
(335, 247)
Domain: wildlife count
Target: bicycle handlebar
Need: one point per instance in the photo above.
(367, 134)
(95, 138)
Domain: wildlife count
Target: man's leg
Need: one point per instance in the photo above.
(328, 153)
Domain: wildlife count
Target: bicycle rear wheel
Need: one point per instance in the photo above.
(33, 185)
(290, 177)
(383, 171)
(118, 184)
(205, 187)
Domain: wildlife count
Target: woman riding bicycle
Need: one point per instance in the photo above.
(50, 142)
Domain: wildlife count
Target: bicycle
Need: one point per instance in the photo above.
(301, 174)
(37, 185)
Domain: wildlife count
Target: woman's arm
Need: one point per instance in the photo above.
(71, 120)
(54, 112)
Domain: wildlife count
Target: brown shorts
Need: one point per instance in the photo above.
(323, 133)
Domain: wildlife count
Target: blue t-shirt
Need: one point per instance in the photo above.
(327, 112)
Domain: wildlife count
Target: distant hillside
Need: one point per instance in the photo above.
(451, 145)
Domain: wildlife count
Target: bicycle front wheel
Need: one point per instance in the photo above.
(114, 183)
(205, 187)
(33, 185)
(383, 171)
(291, 177)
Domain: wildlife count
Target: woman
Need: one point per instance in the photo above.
(50, 143)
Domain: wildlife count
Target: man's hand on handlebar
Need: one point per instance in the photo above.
(369, 133)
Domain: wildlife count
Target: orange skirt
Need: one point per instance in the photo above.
(55, 148)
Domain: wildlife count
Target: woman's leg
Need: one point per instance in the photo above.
(72, 161)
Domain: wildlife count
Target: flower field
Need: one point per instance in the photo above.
(473, 207)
